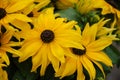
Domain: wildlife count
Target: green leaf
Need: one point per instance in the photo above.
(112, 53)
(49, 74)
(24, 67)
(32, 76)
(71, 14)
(18, 76)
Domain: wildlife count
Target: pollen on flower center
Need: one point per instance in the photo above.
(2, 13)
(47, 36)
(78, 51)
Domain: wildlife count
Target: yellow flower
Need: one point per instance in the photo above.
(5, 46)
(85, 58)
(63, 4)
(48, 40)
(106, 8)
(3, 73)
(9, 10)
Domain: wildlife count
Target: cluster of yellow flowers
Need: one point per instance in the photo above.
(51, 39)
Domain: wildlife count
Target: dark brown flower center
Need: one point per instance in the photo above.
(47, 36)
(78, 51)
(2, 13)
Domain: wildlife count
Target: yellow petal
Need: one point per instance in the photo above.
(4, 3)
(6, 37)
(70, 67)
(100, 67)
(100, 56)
(42, 4)
(4, 57)
(20, 4)
(36, 61)
(54, 61)
(21, 17)
(57, 51)
(28, 9)
(69, 43)
(86, 35)
(69, 39)
(11, 50)
(29, 49)
(45, 61)
(89, 34)
(99, 44)
(80, 74)
(89, 67)
(21, 25)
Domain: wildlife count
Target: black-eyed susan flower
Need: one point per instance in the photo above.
(93, 53)
(5, 46)
(9, 11)
(64, 4)
(48, 40)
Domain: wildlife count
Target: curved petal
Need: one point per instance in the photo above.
(21, 25)
(29, 49)
(54, 61)
(45, 61)
(57, 51)
(70, 67)
(11, 50)
(80, 74)
(100, 67)
(36, 60)
(99, 44)
(4, 57)
(86, 35)
(100, 56)
(6, 37)
(88, 66)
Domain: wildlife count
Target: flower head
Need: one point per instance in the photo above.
(6, 46)
(92, 53)
(9, 11)
(48, 40)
